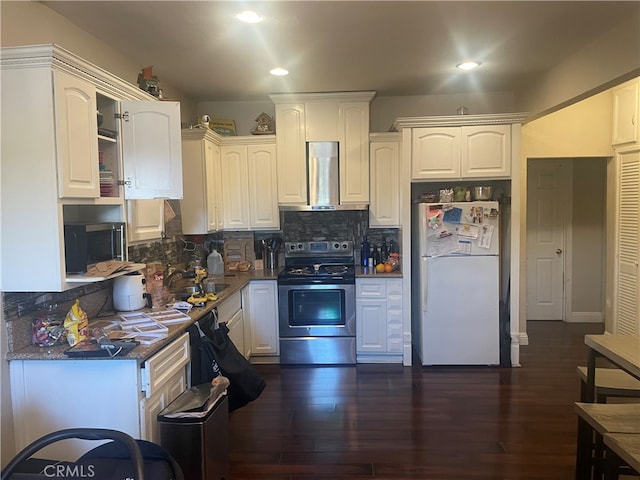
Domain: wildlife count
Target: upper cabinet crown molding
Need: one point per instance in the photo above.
(458, 120)
(364, 96)
(53, 55)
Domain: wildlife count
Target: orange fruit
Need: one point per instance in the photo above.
(388, 268)
(380, 267)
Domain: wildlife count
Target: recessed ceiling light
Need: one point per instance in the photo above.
(468, 65)
(249, 16)
(279, 72)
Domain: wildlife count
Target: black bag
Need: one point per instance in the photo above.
(123, 458)
(213, 353)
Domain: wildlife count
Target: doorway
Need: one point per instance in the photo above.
(547, 214)
(566, 250)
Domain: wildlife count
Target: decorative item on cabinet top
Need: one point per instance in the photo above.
(265, 126)
(148, 82)
(225, 127)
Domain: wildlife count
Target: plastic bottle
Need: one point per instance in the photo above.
(214, 263)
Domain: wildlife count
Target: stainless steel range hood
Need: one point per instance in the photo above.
(323, 180)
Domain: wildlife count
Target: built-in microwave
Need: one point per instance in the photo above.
(89, 243)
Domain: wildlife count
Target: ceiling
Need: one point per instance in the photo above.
(391, 47)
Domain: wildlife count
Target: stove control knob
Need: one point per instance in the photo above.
(300, 247)
(292, 246)
(344, 246)
(336, 246)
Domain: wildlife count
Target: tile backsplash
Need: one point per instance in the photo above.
(21, 307)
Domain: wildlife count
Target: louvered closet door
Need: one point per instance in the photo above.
(627, 319)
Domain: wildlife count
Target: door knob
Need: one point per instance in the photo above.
(558, 251)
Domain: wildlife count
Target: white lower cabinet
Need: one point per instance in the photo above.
(151, 407)
(231, 313)
(379, 320)
(261, 309)
(118, 394)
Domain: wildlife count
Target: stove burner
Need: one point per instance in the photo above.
(299, 271)
(336, 269)
(318, 269)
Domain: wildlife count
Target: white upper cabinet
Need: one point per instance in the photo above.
(333, 116)
(152, 149)
(77, 134)
(321, 121)
(201, 204)
(263, 187)
(486, 151)
(353, 122)
(461, 152)
(250, 183)
(435, 153)
(145, 220)
(463, 146)
(626, 113)
(291, 148)
(384, 155)
(74, 171)
(235, 189)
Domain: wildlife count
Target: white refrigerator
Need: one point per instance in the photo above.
(456, 284)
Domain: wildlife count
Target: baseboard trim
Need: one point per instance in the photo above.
(586, 317)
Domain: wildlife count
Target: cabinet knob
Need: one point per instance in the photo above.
(558, 251)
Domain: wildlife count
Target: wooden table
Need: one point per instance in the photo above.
(624, 352)
(621, 350)
(626, 446)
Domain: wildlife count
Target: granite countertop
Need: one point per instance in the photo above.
(236, 282)
(366, 272)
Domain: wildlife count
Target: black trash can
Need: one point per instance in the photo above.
(199, 443)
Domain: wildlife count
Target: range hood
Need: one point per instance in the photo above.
(323, 180)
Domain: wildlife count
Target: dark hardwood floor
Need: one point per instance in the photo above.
(393, 422)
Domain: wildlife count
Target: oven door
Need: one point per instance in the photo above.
(317, 310)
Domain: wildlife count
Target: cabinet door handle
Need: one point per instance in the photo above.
(126, 183)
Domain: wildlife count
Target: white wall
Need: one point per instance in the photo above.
(384, 110)
(580, 131)
(588, 239)
(609, 57)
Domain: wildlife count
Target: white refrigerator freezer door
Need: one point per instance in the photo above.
(487, 228)
(461, 318)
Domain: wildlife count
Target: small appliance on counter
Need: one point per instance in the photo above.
(130, 293)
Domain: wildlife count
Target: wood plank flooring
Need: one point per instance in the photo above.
(401, 423)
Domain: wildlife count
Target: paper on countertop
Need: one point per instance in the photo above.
(169, 316)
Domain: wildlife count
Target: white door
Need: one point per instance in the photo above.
(545, 239)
